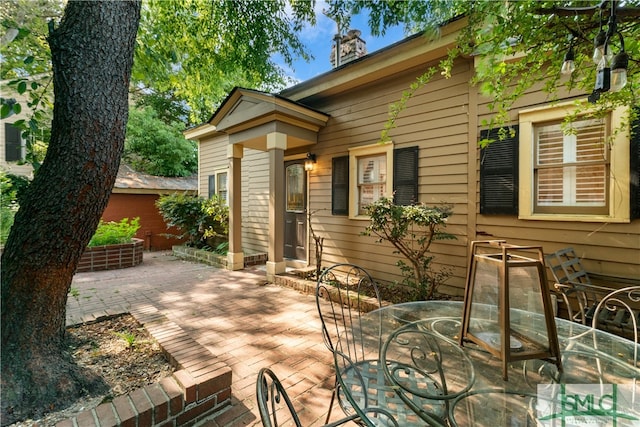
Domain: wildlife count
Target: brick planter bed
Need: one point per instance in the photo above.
(111, 257)
(200, 388)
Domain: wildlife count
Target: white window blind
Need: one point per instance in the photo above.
(571, 169)
(221, 177)
(372, 178)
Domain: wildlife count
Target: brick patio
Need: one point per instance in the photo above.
(244, 323)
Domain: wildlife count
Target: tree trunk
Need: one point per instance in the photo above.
(92, 55)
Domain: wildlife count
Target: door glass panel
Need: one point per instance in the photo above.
(295, 188)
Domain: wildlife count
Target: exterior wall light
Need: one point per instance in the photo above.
(310, 162)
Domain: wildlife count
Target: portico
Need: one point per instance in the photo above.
(275, 125)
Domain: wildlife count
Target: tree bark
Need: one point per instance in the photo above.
(92, 56)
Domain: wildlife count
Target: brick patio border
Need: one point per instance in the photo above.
(200, 386)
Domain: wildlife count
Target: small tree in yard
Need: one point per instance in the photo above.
(411, 230)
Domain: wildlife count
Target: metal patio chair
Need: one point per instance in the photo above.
(619, 311)
(342, 285)
(274, 403)
(572, 281)
(357, 350)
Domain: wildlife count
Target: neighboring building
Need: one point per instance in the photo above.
(135, 194)
(506, 192)
(13, 147)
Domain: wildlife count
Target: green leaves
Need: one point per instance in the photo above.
(197, 218)
(199, 50)
(112, 233)
(157, 148)
(516, 48)
(411, 230)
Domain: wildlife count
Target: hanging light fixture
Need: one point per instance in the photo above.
(569, 64)
(598, 46)
(611, 67)
(599, 41)
(611, 70)
(619, 70)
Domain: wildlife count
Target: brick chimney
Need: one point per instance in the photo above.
(350, 46)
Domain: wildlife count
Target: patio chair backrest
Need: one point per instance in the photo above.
(345, 287)
(273, 402)
(566, 267)
(619, 312)
(573, 283)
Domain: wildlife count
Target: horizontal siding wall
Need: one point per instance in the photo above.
(212, 157)
(255, 201)
(435, 120)
(255, 188)
(611, 249)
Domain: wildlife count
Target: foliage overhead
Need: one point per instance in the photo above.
(199, 50)
(189, 55)
(518, 45)
(156, 148)
(25, 51)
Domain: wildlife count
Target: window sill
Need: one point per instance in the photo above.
(360, 217)
(574, 218)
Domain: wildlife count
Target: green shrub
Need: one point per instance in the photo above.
(8, 206)
(113, 233)
(204, 222)
(411, 230)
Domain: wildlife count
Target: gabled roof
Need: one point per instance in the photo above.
(244, 108)
(131, 181)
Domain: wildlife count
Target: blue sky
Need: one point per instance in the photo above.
(319, 38)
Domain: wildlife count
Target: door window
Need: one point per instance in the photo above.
(295, 188)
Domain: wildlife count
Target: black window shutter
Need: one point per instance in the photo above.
(634, 165)
(212, 185)
(340, 186)
(499, 174)
(405, 176)
(13, 143)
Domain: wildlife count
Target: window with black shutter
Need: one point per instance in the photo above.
(340, 186)
(499, 174)
(405, 176)
(13, 143)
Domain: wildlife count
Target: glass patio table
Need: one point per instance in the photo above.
(444, 383)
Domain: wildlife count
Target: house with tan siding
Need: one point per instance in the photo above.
(255, 145)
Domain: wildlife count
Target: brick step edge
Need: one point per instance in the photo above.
(200, 387)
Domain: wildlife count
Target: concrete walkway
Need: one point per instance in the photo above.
(239, 318)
